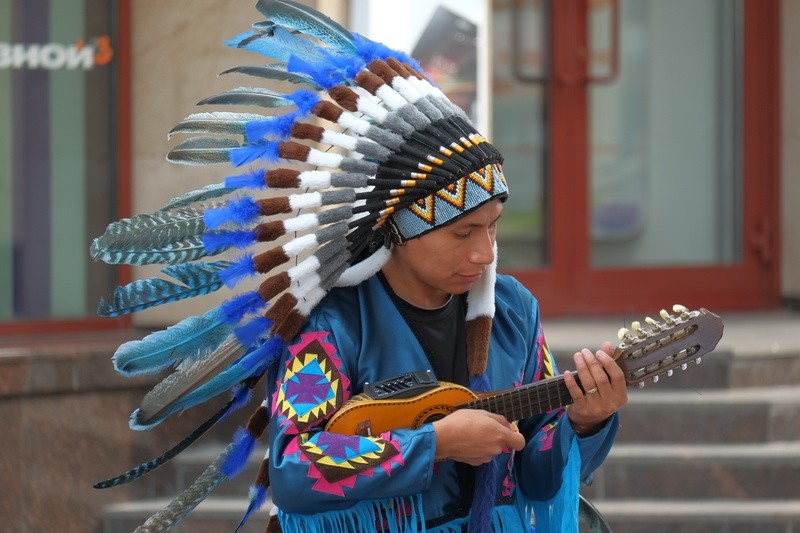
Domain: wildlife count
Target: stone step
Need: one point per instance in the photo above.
(743, 472)
(707, 516)
(214, 515)
(729, 416)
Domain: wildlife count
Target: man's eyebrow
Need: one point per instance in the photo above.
(477, 224)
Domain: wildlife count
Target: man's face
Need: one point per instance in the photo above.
(451, 259)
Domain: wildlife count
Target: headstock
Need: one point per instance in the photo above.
(658, 348)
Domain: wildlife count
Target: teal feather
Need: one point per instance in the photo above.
(190, 249)
(178, 391)
(209, 192)
(220, 123)
(162, 349)
(279, 43)
(249, 96)
(152, 231)
(276, 73)
(308, 21)
(202, 151)
(196, 279)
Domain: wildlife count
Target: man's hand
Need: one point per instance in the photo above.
(604, 383)
(475, 437)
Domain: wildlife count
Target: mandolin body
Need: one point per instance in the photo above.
(362, 415)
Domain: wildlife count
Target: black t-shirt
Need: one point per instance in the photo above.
(441, 332)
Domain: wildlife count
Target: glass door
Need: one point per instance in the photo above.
(641, 137)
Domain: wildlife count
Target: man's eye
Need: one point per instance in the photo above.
(461, 235)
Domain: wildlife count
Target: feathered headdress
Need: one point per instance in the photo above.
(379, 155)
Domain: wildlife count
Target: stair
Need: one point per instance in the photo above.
(710, 450)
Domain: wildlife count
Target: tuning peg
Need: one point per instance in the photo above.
(684, 366)
(654, 325)
(698, 360)
(636, 327)
(655, 378)
(683, 311)
(669, 373)
(666, 317)
(640, 384)
(622, 333)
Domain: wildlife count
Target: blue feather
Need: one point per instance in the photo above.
(189, 249)
(253, 331)
(215, 190)
(249, 180)
(218, 241)
(369, 50)
(244, 304)
(168, 347)
(197, 279)
(236, 458)
(248, 153)
(241, 269)
(243, 210)
(308, 21)
(320, 71)
(257, 497)
(278, 127)
(305, 100)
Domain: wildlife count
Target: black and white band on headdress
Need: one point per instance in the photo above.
(403, 155)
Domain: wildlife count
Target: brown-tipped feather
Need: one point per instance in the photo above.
(301, 130)
(382, 69)
(280, 309)
(328, 111)
(282, 178)
(290, 327)
(266, 261)
(478, 331)
(274, 206)
(274, 285)
(258, 421)
(294, 151)
(345, 97)
(399, 67)
(369, 81)
(269, 231)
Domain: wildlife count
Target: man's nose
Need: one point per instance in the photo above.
(482, 252)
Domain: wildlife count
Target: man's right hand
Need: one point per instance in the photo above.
(474, 436)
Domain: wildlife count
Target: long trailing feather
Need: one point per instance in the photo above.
(186, 339)
(202, 151)
(196, 279)
(305, 20)
(218, 123)
(172, 514)
(274, 72)
(209, 192)
(149, 466)
(249, 96)
(152, 231)
(187, 250)
(172, 394)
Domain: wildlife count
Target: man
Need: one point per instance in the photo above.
(390, 247)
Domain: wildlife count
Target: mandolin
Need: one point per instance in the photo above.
(644, 354)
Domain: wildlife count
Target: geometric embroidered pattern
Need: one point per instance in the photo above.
(337, 460)
(452, 201)
(313, 386)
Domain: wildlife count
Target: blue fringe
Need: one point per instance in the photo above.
(241, 211)
(237, 456)
(363, 516)
(559, 514)
(486, 476)
(249, 180)
(370, 50)
(217, 241)
(240, 269)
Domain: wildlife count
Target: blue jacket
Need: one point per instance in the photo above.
(328, 482)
